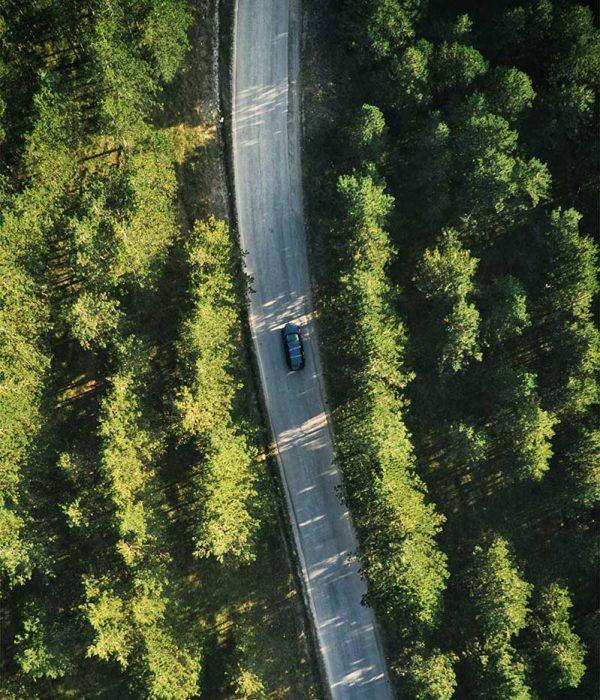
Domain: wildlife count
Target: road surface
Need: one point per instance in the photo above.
(268, 188)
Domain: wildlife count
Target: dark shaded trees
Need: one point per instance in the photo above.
(495, 283)
(444, 276)
(524, 430)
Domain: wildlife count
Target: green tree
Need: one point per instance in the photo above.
(122, 232)
(462, 328)
(165, 34)
(209, 367)
(126, 89)
(409, 78)
(133, 606)
(489, 121)
(468, 446)
(509, 92)
(228, 522)
(498, 591)
(456, 66)
(430, 170)
(523, 428)
(401, 561)
(390, 25)
(499, 673)
(558, 650)
(462, 29)
(432, 675)
(130, 448)
(248, 674)
(210, 360)
(24, 364)
(570, 284)
(448, 269)
(366, 289)
(444, 276)
(571, 281)
(581, 462)
(500, 597)
(495, 181)
(149, 226)
(110, 618)
(571, 367)
(50, 147)
(95, 319)
(365, 198)
(43, 645)
(368, 132)
(88, 217)
(504, 311)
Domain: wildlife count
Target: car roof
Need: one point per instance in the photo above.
(291, 328)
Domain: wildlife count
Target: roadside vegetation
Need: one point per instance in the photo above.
(451, 159)
(141, 544)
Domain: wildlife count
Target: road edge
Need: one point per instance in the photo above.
(322, 378)
(290, 528)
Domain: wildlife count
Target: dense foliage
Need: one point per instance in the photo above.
(131, 453)
(459, 151)
(205, 403)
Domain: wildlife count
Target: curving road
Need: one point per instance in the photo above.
(268, 187)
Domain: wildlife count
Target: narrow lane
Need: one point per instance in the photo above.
(268, 186)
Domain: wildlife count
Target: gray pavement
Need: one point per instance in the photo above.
(268, 186)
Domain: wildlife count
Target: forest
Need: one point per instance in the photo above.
(450, 161)
(451, 175)
(141, 546)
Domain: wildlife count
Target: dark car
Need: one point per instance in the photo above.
(292, 345)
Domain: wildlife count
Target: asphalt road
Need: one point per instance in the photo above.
(268, 187)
